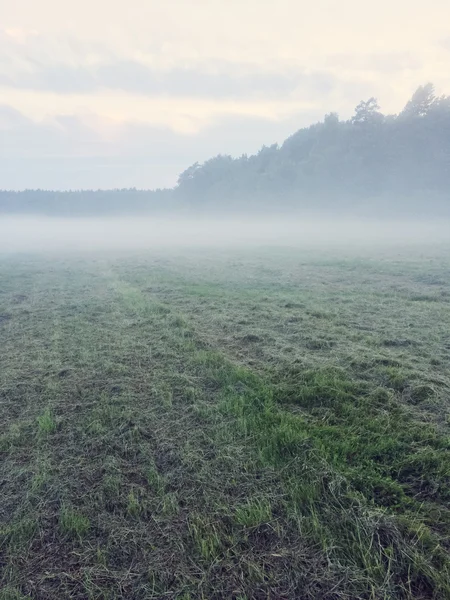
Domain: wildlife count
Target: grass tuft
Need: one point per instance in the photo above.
(46, 422)
(73, 523)
(254, 512)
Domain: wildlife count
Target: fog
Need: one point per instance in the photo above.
(40, 234)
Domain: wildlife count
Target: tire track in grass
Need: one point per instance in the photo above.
(128, 506)
(220, 478)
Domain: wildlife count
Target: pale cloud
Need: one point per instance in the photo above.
(183, 115)
(68, 152)
(257, 30)
(214, 80)
(19, 35)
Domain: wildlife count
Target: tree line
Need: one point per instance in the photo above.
(370, 163)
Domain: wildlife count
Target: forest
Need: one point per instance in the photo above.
(369, 164)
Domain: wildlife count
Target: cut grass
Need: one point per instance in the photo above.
(194, 441)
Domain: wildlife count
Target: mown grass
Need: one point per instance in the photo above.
(280, 430)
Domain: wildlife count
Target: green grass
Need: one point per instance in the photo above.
(46, 422)
(72, 523)
(9, 593)
(240, 425)
(254, 512)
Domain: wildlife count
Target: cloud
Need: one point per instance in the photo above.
(63, 136)
(11, 119)
(374, 62)
(79, 151)
(19, 35)
(214, 80)
(69, 65)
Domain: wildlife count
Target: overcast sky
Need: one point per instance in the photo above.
(128, 93)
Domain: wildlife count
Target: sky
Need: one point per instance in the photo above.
(115, 93)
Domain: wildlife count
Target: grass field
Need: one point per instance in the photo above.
(253, 424)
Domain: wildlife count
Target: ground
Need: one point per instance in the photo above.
(249, 424)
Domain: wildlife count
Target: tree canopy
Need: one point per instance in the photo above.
(370, 161)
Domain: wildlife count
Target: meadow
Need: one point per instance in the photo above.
(255, 423)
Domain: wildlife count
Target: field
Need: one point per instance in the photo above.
(204, 424)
